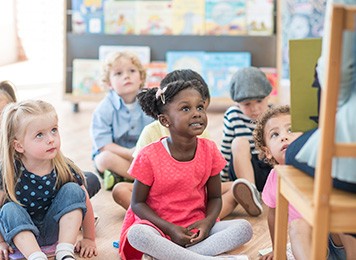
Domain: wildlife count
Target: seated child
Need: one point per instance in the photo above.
(42, 197)
(250, 89)
(122, 191)
(118, 120)
(272, 137)
(176, 195)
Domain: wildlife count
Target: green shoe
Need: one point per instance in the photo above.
(110, 179)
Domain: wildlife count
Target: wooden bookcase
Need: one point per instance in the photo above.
(86, 46)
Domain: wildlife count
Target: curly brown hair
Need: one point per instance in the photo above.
(258, 133)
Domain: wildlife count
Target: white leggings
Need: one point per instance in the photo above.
(223, 237)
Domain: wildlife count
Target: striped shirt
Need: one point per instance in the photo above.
(236, 124)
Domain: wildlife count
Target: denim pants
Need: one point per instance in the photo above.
(15, 219)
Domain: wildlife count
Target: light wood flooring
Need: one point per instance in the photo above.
(76, 144)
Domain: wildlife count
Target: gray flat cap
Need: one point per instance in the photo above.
(249, 83)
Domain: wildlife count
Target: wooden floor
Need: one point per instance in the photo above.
(76, 144)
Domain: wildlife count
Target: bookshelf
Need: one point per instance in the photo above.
(86, 46)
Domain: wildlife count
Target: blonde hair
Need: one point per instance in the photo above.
(258, 133)
(114, 59)
(14, 122)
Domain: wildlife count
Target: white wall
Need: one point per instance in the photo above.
(8, 45)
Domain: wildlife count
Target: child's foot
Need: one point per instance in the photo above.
(248, 196)
(110, 179)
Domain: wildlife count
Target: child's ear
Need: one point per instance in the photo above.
(163, 120)
(18, 146)
(267, 153)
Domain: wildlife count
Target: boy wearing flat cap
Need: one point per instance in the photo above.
(250, 89)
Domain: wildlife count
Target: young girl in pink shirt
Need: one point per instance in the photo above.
(176, 196)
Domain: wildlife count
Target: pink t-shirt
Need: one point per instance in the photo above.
(177, 189)
(270, 199)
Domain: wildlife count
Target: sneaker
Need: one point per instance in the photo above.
(248, 196)
(110, 179)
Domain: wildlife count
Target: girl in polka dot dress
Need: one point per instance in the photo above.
(42, 193)
(176, 197)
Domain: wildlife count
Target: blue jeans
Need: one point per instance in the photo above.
(15, 219)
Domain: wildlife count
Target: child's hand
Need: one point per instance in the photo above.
(86, 248)
(268, 256)
(5, 249)
(201, 229)
(180, 235)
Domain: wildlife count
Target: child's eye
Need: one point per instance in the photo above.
(186, 109)
(201, 108)
(133, 70)
(39, 135)
(289, 131)
(54, 130)
(274, 135)
(118, 73)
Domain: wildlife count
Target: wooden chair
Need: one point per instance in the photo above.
(323, 207)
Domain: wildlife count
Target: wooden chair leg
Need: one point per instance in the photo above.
(281, 230)
(320, 235)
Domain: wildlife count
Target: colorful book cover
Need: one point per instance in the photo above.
(87, 16)
(155, 71)
(154, 17)
(120, 17)
(86, 73)
(143, 52)
(272, 76)
(188, 17)
(193, 60)
(49, 250)
(260, 20)
(219, 68)
(304, 54)
(225, 17)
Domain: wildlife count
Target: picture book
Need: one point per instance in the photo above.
(49, 250)
(120, 17)
(219, 68)
(260, 20)
(86, 73)
(155, 71)
(154, 17)
(87, 16)
(143, 52)
(185, 60)
(225, 17)
(304, 54)
(188, 17)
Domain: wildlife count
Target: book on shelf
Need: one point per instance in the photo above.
(272, 76)
(49, 250)
(260, 20)
(154, 17)
(120, 17)
(225, 17)
(155, 71)
(86, 74)
(188, 17)
(303, 56)
(193, 60)
(87, 16)
(219, 68)
(143, 52)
